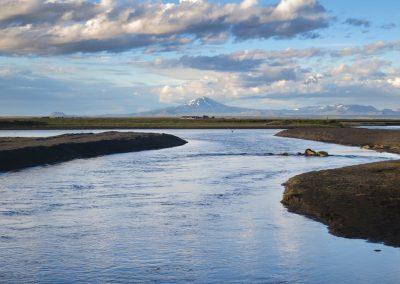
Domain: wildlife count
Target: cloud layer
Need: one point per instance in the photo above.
(44, 27)
(90, 82)
(346, 74)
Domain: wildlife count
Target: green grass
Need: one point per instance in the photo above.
(176, 123)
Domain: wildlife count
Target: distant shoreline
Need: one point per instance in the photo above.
(44, 123)
(385, 140)
(359, 201)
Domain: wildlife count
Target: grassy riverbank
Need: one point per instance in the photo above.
(178, 123)
(376, 139)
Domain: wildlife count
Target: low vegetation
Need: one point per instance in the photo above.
(375, 139)
(172, 123)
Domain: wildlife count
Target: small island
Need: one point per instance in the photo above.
(361, 201)
(20, 152)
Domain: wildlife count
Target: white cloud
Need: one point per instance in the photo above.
(248, 4)
(394, 82)
(284, 74)
(56, 27)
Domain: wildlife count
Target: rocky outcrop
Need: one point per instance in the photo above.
(18, 152)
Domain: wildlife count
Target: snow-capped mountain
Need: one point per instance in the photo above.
(206, 106)
(58, 114)
(200, 106)
(339, 109)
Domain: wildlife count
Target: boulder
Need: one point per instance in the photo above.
(310, 152)
(379, 147)
(323, 154)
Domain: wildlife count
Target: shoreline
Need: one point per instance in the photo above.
(317, 195)
(65, 123)
(360, 201)
(22, 152)
(383, 140)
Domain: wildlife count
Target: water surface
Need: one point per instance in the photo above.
(208, 211)
(388, 127)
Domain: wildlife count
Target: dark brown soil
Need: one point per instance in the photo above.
(357, 202)
(19, 152)
(377, 139)
(360, 201)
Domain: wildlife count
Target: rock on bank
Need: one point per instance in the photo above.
(20, 152)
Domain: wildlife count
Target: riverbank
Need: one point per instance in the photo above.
(375, 139)
(20, 152)
(359, 201)
(59, 123)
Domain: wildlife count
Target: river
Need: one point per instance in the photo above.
(208, 211)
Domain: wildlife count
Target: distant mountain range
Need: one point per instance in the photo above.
(206, 106)
(58, 114)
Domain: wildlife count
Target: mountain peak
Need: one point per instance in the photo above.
(202, 101)
(207, 106)
(58, 114)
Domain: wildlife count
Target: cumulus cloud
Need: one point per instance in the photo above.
(66, 26)
(373, 49)
(288, 74)
(258, 79)
(251, 60)
(362, 70)
(233, 86)
(395, 82)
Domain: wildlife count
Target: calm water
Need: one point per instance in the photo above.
(390, 127)
(208, 211)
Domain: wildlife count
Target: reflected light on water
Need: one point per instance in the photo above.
(208, 211)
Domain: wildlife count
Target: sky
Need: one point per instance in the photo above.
(87, 57)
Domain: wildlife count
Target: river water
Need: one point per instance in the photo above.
(208, 211)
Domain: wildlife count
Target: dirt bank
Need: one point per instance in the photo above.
(377, 139)
(360, 201)
(19, 152)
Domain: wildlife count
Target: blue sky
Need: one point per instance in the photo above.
(119, 57)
